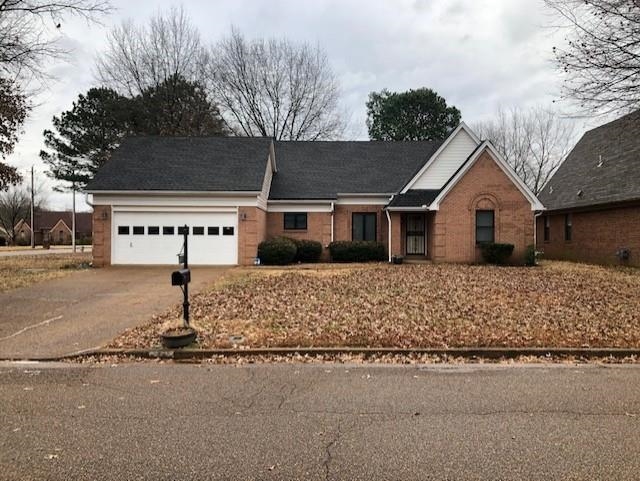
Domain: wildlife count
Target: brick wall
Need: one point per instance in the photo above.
(318, 227)
(343, 219)
(101, 235)
(485, 186)
(252, 229)
(596, 236)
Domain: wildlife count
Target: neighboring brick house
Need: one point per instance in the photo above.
(593, 200)
(54, 226)
(426, 200)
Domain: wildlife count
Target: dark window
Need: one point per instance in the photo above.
(213, 230)
(123, 230)
(168, 230)
(484, 226)
(363, 227)
(198, 231)
(227, 231)
(567, 227)
(182, 229)
(138, 230)
(547, 228)
(295, 220)
(153, 230)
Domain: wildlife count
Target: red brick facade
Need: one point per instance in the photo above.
(252, 229)
(484, 187)
(596, 235)
(101, 235)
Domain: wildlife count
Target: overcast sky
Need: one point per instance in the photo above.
(478, 54)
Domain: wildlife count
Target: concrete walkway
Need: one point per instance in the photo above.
(87, 309)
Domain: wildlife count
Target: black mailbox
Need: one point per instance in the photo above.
(181, 277)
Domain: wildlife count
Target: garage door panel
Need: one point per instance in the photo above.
(152, 237)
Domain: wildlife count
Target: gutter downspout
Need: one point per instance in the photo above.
(535, 229)
(86, 199)
(332, 211)
(389, 227)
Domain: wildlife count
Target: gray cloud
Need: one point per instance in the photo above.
(478, 54)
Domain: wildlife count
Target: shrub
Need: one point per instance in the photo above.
(278, 251)
(496, 253)
(530, 255)
(308, 250)
(357, 251)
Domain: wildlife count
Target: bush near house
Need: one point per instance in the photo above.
(307, 250)
(357, 251)
(496, 253)
(278, 251)
(530, 256)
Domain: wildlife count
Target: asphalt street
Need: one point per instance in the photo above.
(153, 421)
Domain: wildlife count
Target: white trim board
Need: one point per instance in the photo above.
(502, 163)
(462, 127)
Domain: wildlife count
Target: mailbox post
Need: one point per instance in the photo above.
(182, 277)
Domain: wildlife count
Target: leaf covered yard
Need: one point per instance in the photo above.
(555, 305)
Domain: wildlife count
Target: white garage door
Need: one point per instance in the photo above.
(153, 237)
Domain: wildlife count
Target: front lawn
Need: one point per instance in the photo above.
(25, 270)
(555, 305)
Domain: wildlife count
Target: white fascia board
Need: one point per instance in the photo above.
(177, 200)
(169, 209)
(203, 193)
(272, 157)
(405, 209)
(363, 199)
(502, 163)
(300, 206)
(452, 135)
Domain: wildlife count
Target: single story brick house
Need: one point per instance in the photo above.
(427, 200)
(593, 199)
(54, 226)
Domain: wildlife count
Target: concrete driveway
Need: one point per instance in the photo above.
(87, 309)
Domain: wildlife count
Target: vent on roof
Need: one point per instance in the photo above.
(600, 161)
(580, 193)
(551, 189)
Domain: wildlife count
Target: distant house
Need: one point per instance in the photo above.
(436, 200)
(593, 200)
(54, 226)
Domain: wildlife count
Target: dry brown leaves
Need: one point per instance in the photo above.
(22, 271)
(555, 305)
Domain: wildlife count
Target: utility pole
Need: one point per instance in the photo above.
(33, 227)
(73, 218)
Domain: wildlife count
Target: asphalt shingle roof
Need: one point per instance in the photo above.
(185, 164)
(321, 170)
(415, 198)
(583, 180)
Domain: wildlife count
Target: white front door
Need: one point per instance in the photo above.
(151, 237)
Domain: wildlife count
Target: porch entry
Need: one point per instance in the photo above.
(415, 235)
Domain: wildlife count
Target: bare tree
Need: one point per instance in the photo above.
(15, 205)
(601, 58)
(142, 57)
(275, 88)
(534, 142)
(27, 33)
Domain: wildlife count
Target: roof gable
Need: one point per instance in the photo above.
(451, 154)
(486, 146)
(603, 167)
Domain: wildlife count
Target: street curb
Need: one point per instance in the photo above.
(463, 352)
